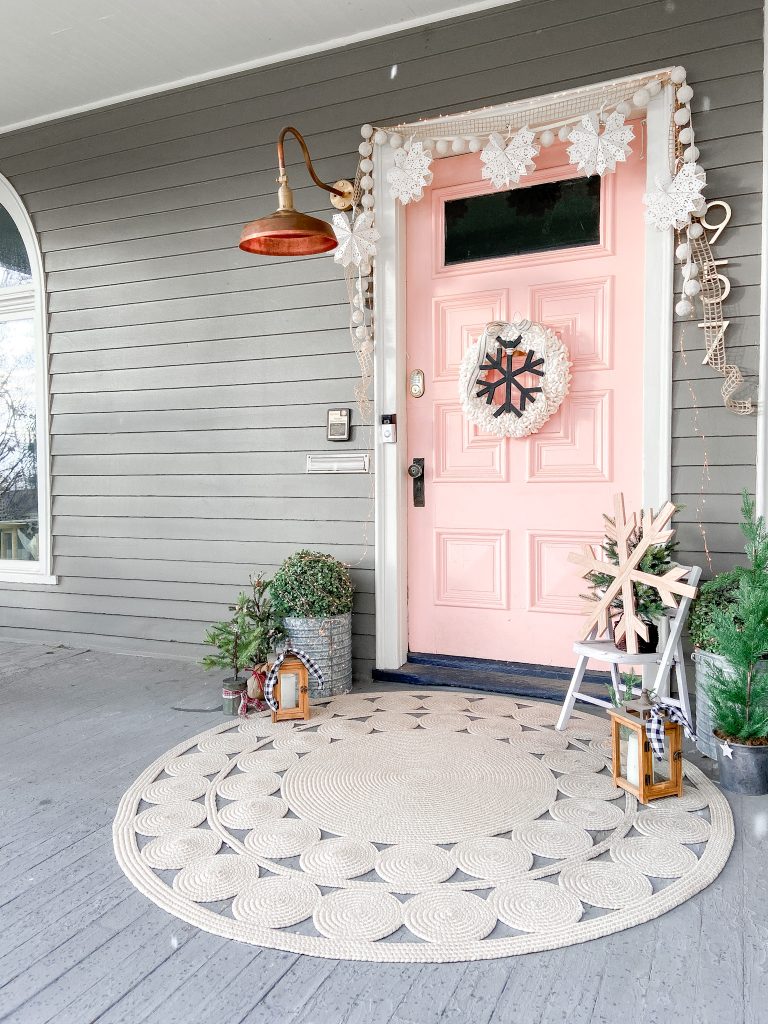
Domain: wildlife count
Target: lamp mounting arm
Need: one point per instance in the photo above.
(307, 160)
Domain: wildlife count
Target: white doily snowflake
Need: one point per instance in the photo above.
(595, 151)
(411, 173)
(508, 163)
(357, 241)
(671, 205)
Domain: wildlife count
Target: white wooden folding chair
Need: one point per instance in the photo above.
(669, 656)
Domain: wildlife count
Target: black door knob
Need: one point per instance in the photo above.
(415, 470)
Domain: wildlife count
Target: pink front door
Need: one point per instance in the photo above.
(488, 575)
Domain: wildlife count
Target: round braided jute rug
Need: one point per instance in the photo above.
(413, 827)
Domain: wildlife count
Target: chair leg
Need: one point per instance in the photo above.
(682, 683)
(573, 690)
(616, 680)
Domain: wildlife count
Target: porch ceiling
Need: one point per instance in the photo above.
(64, 56)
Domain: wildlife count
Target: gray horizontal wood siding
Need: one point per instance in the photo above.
(188, 380)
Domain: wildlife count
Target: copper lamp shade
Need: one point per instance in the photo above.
(286, 232)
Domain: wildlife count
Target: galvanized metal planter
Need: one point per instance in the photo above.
(745, 771)
(329, 642)
(706, 662)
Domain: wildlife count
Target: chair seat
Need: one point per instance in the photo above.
(604, 650)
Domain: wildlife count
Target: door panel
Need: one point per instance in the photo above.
(488, 574)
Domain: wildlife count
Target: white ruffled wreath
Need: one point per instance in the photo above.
(545, 344)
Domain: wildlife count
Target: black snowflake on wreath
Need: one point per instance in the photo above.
(510, 378)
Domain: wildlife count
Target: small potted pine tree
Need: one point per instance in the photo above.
(268, 634)
(738, 689)
(237, 646)
(312, 592)
(716, 596)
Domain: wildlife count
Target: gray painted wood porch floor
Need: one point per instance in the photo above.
(79, 944)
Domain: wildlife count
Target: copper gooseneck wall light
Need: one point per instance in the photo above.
(287, 232)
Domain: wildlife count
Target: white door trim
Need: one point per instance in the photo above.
(391, 492)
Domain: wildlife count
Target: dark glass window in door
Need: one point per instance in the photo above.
(536, 218)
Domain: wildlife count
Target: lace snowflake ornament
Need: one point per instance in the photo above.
(357, 241)
(595, 151)
(672, 204)
(411, 174)
(505, 164)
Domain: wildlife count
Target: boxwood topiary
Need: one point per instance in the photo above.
(311, 585)
(719, 594)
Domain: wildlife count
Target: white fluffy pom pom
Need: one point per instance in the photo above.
(691, 270)
(395, 141)
(459, 146)
(684, 308)
(691, 155)
(380, 137)
(442, 147)
(641, 98)
(682, 116)
(683, 251)
(366, 131)
(366, 182)
(624, 108)
(546, 138)
(367, 201)
(685, 136)
(685, 94)
(474, 145)
(654, 87)
(695, 231)
(564, 132)
(692, 287)
(678, 74)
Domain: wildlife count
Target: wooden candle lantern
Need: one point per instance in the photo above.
(291, 691)
(635, 768)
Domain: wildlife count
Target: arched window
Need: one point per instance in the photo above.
(25, 536)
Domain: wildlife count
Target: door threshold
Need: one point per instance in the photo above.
(539, 682)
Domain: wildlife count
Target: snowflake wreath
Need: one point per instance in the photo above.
(529, 392)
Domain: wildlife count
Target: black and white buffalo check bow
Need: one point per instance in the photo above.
(309, 663)
(654, 726)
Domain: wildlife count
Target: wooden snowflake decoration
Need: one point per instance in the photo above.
(411, 174)
(595, 151)
(655, 530)
(671, 205)
(505, 164)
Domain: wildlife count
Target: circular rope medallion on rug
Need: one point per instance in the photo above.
(365, 833)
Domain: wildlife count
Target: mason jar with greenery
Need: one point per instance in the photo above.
(243, 642)
(235, 649)
(312, 592)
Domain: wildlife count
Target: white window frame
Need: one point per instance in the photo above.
(16, 304)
